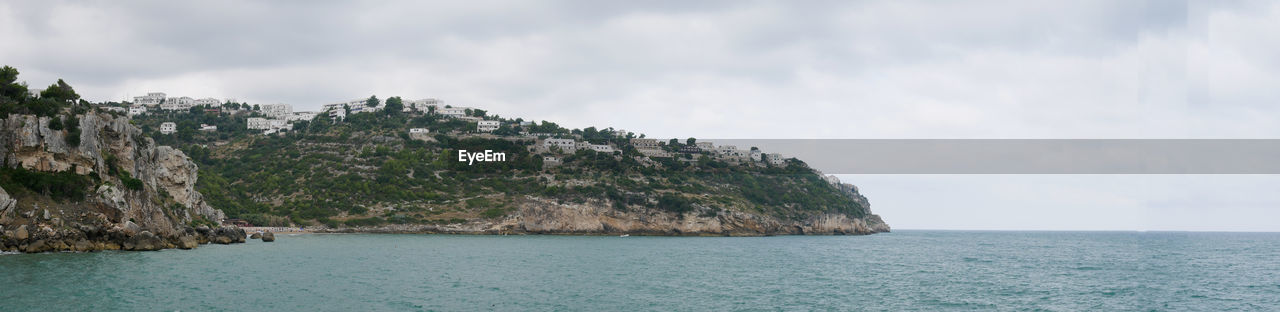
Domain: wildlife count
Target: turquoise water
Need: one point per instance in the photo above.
(905, 270)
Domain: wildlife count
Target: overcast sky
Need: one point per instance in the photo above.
(744, 69)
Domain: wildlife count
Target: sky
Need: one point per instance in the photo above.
(745, 69)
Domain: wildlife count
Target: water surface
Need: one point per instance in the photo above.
(905, 270)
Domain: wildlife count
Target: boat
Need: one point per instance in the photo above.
(625, 235)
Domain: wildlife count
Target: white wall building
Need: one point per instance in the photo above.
(204, 127)
(488, 125)
(454, 112)
(137, 110)
(422, 105)
(567, 145)
(178, 103)
(644, 143)
(419, 130)
(776, 159)
(153, 98)
(277, 111)
(256, 123)
(168, 128)
(603, 148)
(304, 116)
(208, 101)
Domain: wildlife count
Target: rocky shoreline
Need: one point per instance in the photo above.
(84, 238)
(594, 217)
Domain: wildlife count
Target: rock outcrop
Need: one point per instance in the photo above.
(114, 215)
(543, 216)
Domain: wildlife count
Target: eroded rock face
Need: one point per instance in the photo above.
(542, 216)
(117, 216)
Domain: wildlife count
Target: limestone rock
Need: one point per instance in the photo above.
(268, 236)
(21, 233)
(143, 241)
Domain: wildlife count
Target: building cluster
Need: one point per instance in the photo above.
(572, 145)
(653, 148)
(162, 101)
(279, 117)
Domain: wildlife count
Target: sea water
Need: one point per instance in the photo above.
(905, 270)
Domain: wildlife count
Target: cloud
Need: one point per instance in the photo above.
(707, 69)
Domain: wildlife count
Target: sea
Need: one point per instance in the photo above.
(900, 271)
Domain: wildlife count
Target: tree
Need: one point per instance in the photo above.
(394, 105)
(477, 112)
(372, 101)
(61, 92)
(691, 141)
(10, 89)
(55, 123)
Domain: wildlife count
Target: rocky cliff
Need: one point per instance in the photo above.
(535, 215)
(141, 197)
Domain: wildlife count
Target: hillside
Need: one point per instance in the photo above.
(77, 179)
(367, 172)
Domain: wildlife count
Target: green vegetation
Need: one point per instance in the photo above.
(366, 170)
(57, 185)
(340, 172)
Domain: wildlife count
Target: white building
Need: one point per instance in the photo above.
(706, 146)
(730, 150)
(267, 124)
(776, 159)
(305, 116)
(338, 114)
(137, 110)
(365, 109)
(422, 105)
(208, 101)
(277, 111)
(603, 148)
(644, 143)
(204, 127)
(153, 98)
(488, 125)
(419, 130)
(178, 103)
(567, 145)
(454, 112)
(168, 128)
(356, 106)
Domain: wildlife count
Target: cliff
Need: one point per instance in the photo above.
(135, 196)
(544, 216)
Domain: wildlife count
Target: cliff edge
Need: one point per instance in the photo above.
(113, 188)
